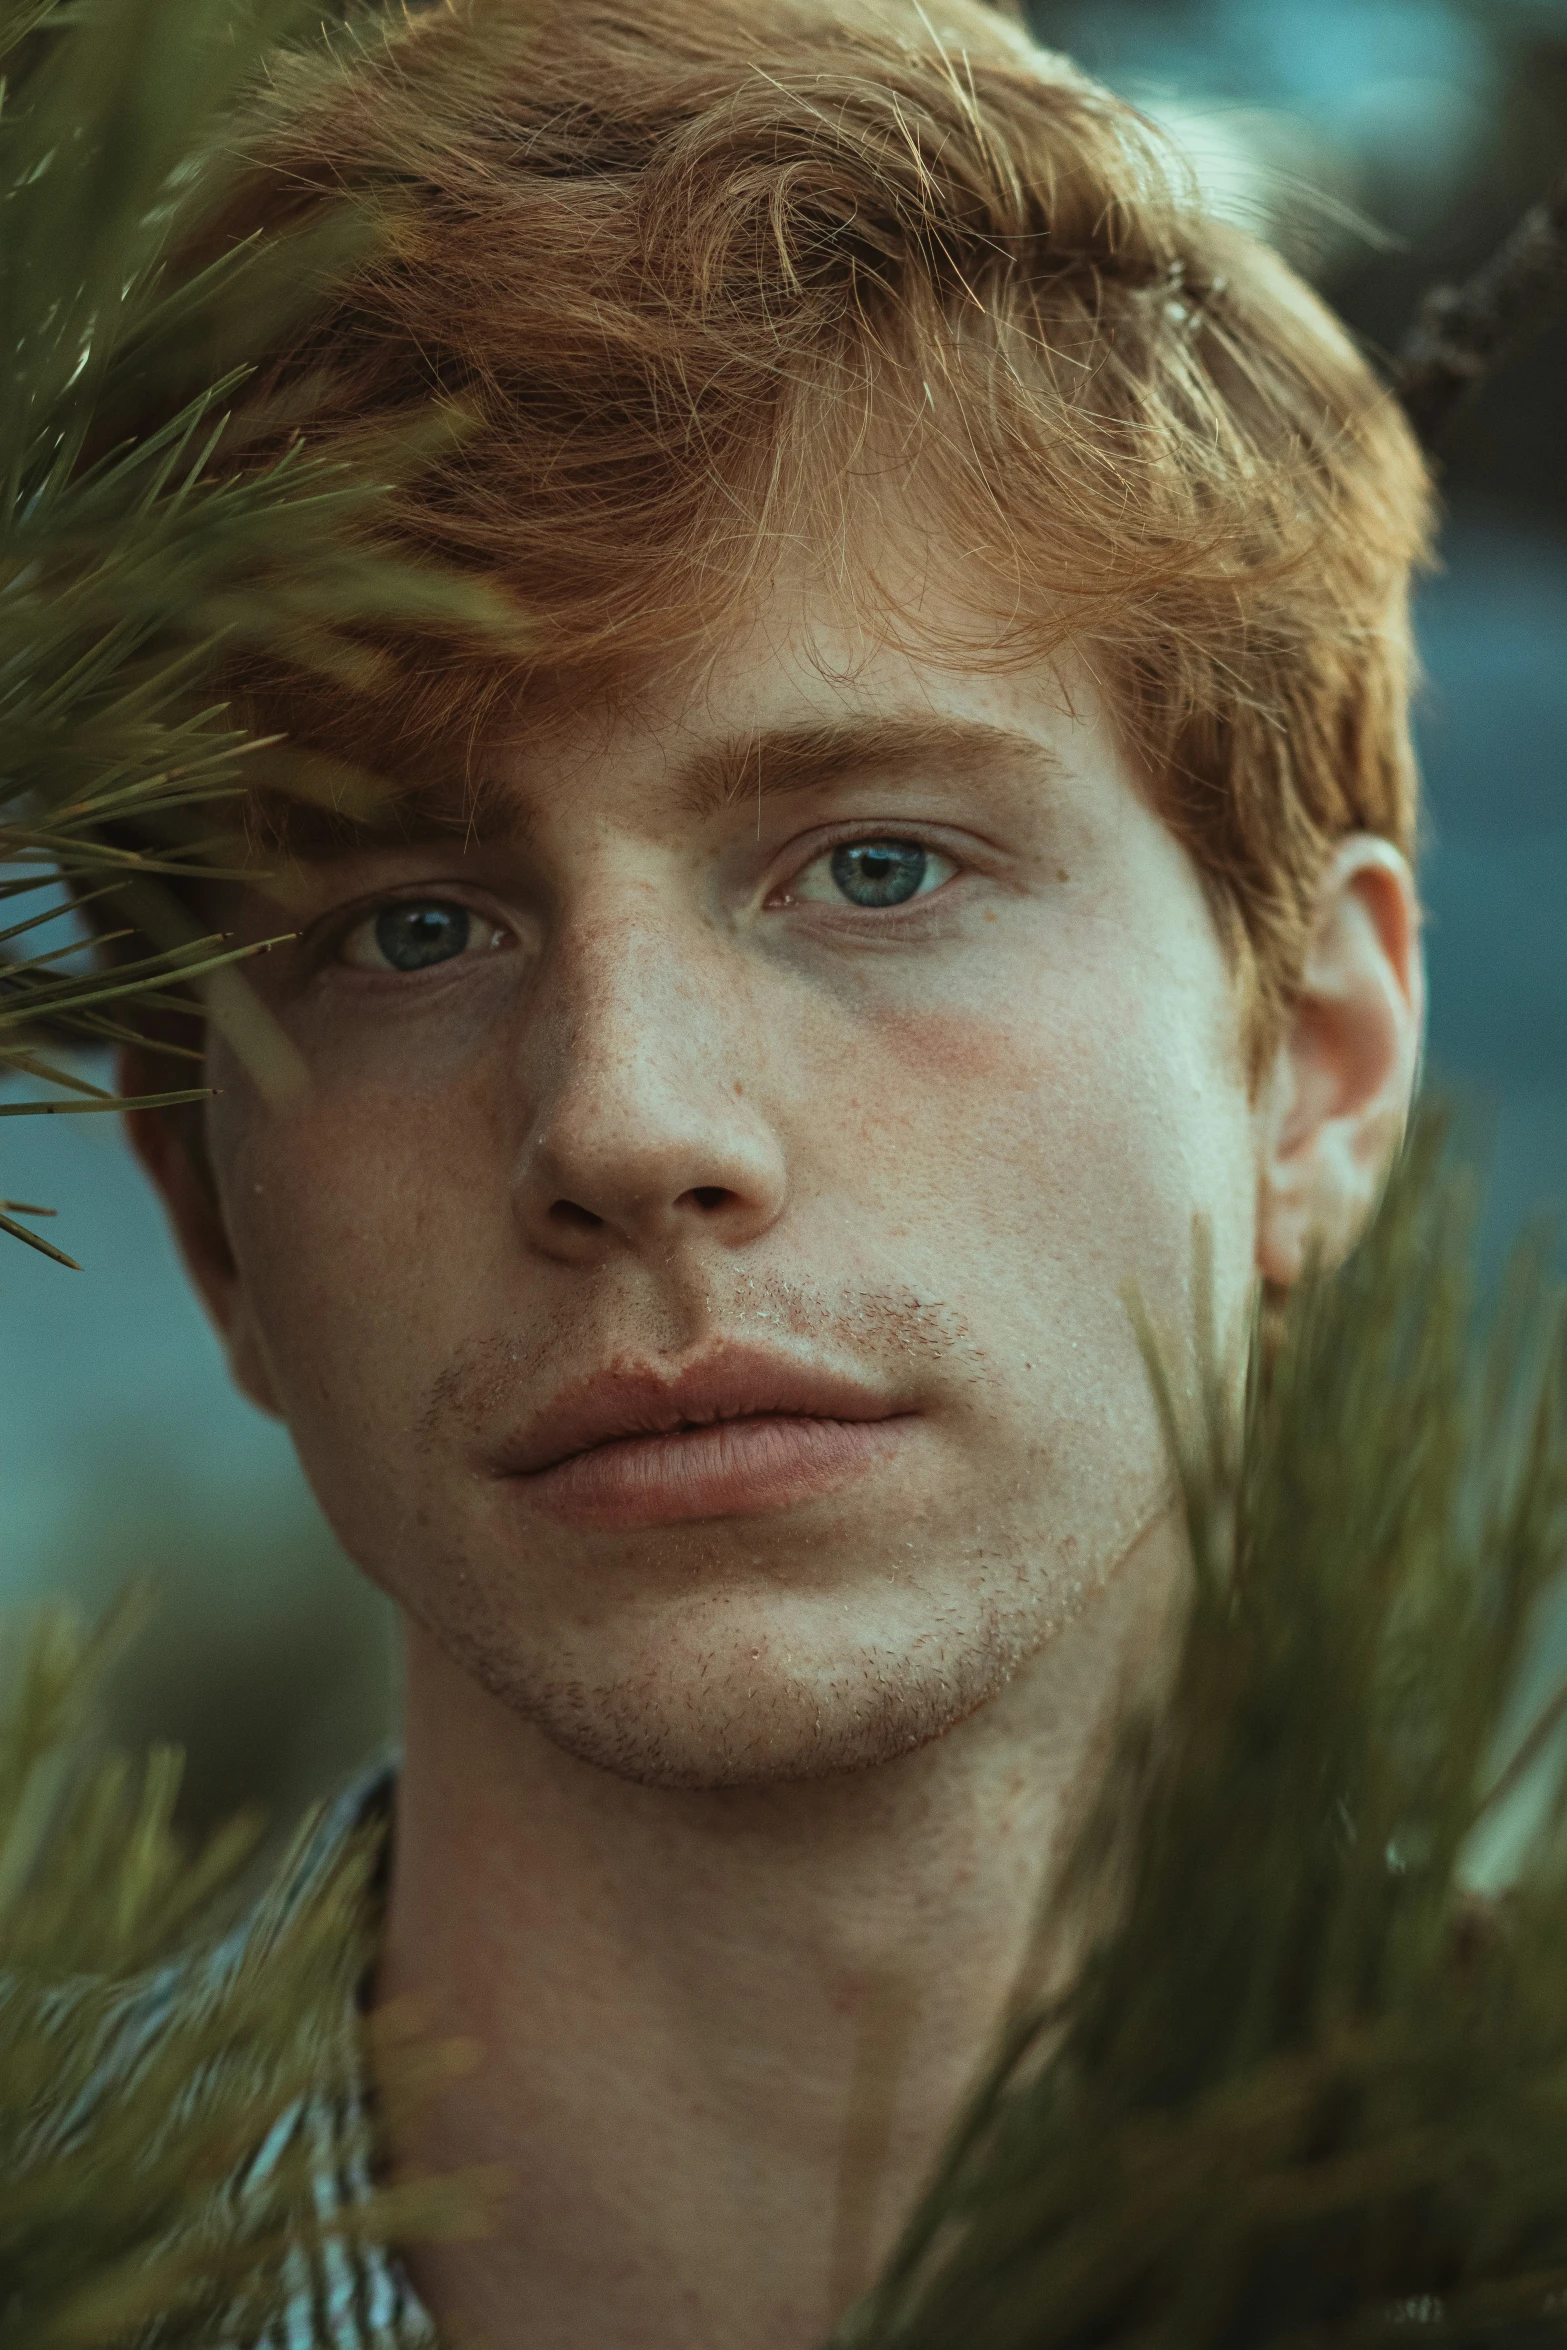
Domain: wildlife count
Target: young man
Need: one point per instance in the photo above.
(943, 841)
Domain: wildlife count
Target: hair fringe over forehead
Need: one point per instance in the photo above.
(719, 282)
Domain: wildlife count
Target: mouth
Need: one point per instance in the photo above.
(738, 1433)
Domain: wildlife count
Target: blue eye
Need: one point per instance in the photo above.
(412, 937)
(880, 872)
(414, 934)
(870, 874)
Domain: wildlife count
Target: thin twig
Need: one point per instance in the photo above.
(1462, 331)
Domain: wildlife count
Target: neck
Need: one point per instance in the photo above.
(723, 2034)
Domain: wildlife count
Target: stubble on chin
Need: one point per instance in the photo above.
(703, 1717)
(708, 1674)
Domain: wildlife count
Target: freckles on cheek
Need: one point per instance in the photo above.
(950, 1051)
(989, 1132)
(918, 1096)
(341, 1199)
(1111, 1093)
(993, 1060)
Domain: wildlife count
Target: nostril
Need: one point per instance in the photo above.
(566, 1211)
(709, 1195)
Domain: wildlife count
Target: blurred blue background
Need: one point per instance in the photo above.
(1384, 144)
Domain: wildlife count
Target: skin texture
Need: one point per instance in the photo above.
(723, 1834)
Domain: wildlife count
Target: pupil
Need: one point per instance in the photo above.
(413, 937)
(879, 872)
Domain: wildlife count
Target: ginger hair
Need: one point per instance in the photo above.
(712, 278)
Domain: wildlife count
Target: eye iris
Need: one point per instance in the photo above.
(879, 872)
(413, 937)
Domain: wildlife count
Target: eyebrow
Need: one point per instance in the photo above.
(400, 816)
(775, 763)
(769, 763)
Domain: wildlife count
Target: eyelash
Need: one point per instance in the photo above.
(781, 896)
(784, 894)
(333, 947)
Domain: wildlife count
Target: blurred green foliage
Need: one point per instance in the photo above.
(134, 560)
(158, 2164)
(268, 1661)
(1308, 2089)
(141, 549)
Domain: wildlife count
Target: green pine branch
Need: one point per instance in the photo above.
(1311, 2088)
(123, 2147)
(136, 560)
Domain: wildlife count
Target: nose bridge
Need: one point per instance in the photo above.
(643, 1115)
(638, 1007)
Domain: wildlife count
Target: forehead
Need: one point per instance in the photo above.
(781, 711)
(807, 690)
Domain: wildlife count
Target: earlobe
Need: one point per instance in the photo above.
(197, 1224)
(1333, 1107)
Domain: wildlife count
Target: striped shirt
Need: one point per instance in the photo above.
(341, 2295)
(351, 2296)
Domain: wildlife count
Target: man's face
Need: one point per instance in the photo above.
(694, 1273)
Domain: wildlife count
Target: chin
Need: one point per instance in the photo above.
(733, 1713)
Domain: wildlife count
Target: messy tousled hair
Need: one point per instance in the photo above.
(712, 281)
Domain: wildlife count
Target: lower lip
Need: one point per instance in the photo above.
(727, 1470)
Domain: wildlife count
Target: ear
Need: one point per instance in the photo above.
(1332, 1108)
(172, 1154)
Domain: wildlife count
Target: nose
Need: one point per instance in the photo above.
(644, 1133)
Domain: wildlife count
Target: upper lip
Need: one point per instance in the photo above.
(733, 1383)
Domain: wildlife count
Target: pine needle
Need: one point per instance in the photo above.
(163, 2072)
(134, 562)
(1309, 2089)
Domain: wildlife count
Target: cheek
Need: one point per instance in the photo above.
(1061, 1130)
(350, 1236)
